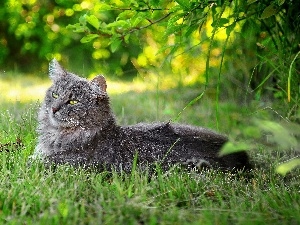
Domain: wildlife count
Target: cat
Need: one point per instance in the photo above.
(76, 126)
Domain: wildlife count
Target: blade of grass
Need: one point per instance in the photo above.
(289, 78)
(133, 171)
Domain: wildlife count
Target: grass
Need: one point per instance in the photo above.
(35, 195)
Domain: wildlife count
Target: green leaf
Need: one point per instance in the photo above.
(136, 21)
(126, 38)
(175, 8)
(115, 44)
(191, 29)
(286, 167)
(93, 20)
(220, 22)
(82, 20)
(77, 27)
(127, 14)
(73, 26)
(137, 18)
(269, 11)
(119, 23)
(251, 132)
(279, 134)
(88, 38)
(280, 2)
(172, 21)
(231, 147)
(251, 1)
(230, 28)
(173, 29)
(185, 4)
(172, 48)
(103, 6)
(154, 2)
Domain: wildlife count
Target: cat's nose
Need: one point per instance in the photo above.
(54, 110)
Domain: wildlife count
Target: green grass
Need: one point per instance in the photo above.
(35, 195)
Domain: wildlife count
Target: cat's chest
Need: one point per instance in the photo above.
(62, 139)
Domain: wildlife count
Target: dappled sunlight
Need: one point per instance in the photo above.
(152, 81)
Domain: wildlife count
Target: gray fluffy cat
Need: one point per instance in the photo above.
(77, 127)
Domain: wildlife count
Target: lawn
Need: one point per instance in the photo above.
(32, 194)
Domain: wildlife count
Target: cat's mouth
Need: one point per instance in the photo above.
(57, 121)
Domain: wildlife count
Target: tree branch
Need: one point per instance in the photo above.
(151, 23)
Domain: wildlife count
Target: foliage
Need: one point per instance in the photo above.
(279, 135)
(32, 31)
(199, 42)
(179, 32)
(188, 38)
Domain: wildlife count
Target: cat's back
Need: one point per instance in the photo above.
(169, 129)
(159, 138)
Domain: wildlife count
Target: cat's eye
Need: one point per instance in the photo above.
(73, 102)
(54, 95)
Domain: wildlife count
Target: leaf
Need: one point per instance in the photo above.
(220, 22)
(173, 29)
(119, 23)
(165, 48)
(82, 20)
(231, 147)
(190, 30)
(175, 8)
(154, 2)
(77, 27)
(286, 167)
(280, 134)
(184, 4)
(136, 19)
(251, 1)
(126, 38)
(251, 132)
(103, 6)
(280, 2)
(172, 21)
(115, 44)
(126, 15)
(230, 28)
(88, 38)
(93, 20)
(269, 11)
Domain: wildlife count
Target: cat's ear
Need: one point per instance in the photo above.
(56, 71)
(100, 82)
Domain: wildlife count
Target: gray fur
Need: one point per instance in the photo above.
(86, 134)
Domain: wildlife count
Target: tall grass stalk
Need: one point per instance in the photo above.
(289, 78)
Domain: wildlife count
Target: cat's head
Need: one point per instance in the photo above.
(73, 101)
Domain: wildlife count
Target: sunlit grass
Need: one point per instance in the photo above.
(28, 88)
(37, 195)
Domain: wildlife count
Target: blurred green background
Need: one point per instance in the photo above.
(243, 51)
